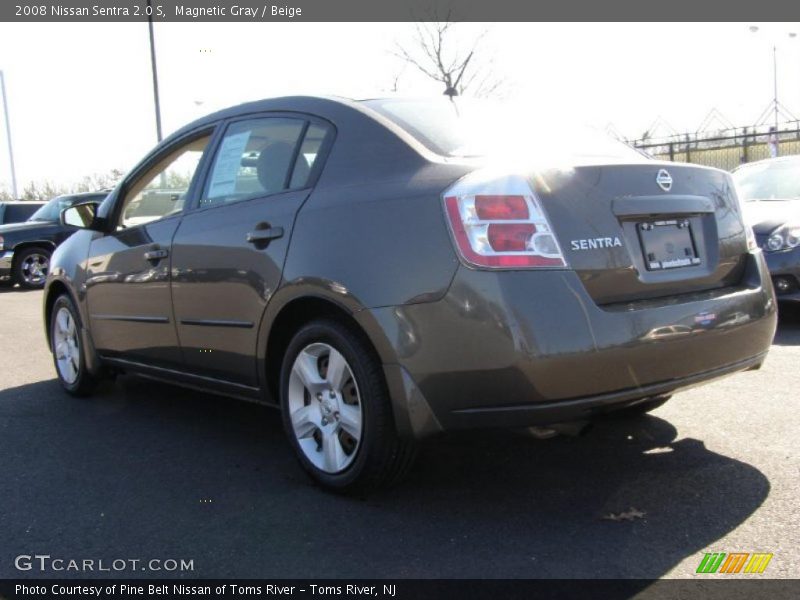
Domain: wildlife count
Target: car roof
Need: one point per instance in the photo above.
(354, 121)
(330, 108)
(318, 105)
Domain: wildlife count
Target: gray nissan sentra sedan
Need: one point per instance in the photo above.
(385, 270)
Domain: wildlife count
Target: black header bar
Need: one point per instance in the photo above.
(261, 11)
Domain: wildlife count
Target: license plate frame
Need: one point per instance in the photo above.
(668, 244)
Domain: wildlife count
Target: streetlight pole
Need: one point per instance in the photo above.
(155, 70)
(8, 136)
(793, 36)
(775, 82)
(773, 138)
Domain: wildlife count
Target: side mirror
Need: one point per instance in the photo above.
(83, 215)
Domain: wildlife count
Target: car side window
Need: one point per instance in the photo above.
(316, 136)
(161, 191)
(254, 159)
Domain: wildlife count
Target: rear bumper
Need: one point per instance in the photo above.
(521, 348)
(6, 263)
(586, 408)
(784, 267)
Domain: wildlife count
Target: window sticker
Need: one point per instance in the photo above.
(227, 165)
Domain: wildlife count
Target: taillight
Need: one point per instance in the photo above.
(499, 208)
(499, 222)
(750, 235)
(752, 244)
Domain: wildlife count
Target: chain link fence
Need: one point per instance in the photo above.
(725, 149)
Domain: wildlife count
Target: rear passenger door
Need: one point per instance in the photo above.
(228, 253)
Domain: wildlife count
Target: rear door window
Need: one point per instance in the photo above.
(313, 143)
(256, 158)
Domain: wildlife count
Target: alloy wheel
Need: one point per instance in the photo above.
(34, 268)
(325, 408)
(65, 346)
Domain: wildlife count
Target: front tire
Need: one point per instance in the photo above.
(31, 267)
(66, 344)
(337, 412)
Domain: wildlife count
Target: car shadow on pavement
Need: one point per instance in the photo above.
(152, 471)
(788, 333)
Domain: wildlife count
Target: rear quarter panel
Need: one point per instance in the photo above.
(380, 243)
(373, 232)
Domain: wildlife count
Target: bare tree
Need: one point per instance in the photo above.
(434, 51)
(99, 181)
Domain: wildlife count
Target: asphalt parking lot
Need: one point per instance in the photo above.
(144, 470)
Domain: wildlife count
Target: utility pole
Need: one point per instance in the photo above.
(155, 69)
(8, 136)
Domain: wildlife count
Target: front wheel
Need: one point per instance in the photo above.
(337, 413)
(31, 266)
(67, 348)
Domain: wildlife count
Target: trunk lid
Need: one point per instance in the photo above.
(649, 230)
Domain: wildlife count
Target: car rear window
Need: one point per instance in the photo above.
(16, 212)
(465, 128)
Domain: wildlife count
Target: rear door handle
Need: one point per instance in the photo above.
(156, 254)
(264, 236)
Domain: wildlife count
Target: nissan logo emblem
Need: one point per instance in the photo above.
(664, 180)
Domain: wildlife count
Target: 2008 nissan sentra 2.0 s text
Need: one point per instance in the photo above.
(384, 270)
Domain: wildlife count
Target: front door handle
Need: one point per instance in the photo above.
(156, 254)
(264, 236)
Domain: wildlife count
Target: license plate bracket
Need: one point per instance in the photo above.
(667, 244)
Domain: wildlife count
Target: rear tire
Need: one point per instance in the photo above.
(31, 267)
(640, 409)
(337, 413)
(66, 344)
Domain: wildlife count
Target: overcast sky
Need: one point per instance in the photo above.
(80, 95)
